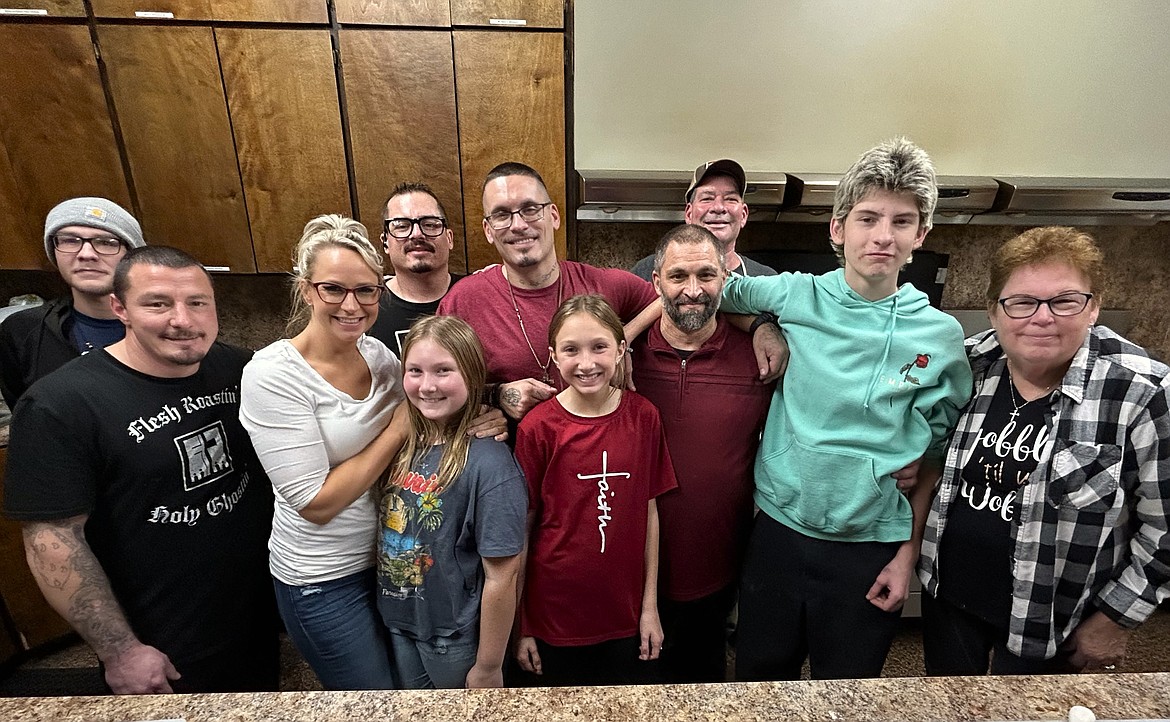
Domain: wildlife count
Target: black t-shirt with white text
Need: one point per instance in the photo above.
(179, 509)
(975, 551)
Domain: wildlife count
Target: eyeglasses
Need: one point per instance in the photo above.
(333, 293)
(1066, 304)
(499, 220)
(401, 227)
(105, 245)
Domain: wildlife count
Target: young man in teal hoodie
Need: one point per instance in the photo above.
(875, 381)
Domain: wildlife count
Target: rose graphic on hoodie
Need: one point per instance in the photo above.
(920, 362)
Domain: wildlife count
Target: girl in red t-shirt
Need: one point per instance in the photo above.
(594, 458)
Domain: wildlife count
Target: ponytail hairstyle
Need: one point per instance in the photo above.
(456, 337)
(321, 233)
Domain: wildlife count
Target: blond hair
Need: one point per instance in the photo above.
(327, 231)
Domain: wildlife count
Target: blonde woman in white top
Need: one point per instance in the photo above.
(320, 409)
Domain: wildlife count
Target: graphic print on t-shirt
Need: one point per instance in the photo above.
(604, 494)
(204, 455)
(410, 519)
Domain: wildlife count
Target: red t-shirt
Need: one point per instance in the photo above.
(590, 481)
(484, 301)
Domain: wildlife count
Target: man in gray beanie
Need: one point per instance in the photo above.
(84, 238)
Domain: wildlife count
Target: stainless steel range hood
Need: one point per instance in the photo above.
(633, 195)
(1079, 201)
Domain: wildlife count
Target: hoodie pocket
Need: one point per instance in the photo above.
(828, 491)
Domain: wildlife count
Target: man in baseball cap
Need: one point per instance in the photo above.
(715, 201)
(84, 238)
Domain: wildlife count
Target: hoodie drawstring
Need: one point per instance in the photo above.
(875, 374)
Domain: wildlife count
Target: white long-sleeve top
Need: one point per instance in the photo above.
(302, 426)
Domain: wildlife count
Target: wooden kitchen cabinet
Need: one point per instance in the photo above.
(509, 13)
(282, 98)
(51, 8)
(167, 89)
(35, 620)
(436, 13)
(400, 88)
(273, 11)
(56, 133)
(510, 88)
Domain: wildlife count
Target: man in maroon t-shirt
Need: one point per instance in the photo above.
(700, 371)
(510, 305)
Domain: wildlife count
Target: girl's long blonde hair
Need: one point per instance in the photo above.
(456, 337)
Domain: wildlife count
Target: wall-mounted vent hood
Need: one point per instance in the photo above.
(1079, 201)
(959, 197)
(636, 195)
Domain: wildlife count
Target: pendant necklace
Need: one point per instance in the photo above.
(544, 367)
(1017, 406)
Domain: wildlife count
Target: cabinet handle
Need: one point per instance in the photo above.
(154, 14)
(218, 269)
(23, 11)
(507, 21)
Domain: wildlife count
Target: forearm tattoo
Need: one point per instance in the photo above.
(61, 559)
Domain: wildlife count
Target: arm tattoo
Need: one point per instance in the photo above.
(510, 397)
(63, 561)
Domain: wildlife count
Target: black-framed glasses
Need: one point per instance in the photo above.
(335, 293)
(105, 245)
(430, 226)
(499, 220)
(1066, 304)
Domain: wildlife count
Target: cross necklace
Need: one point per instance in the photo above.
(544, 367)
(1017, 406)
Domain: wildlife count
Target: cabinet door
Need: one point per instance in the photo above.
(167, 90)
(511, 96)
(282, 97)
(42, 8)
(55, 131)
(400, 92)
(394, 12)
(519, 13)
(274, 11)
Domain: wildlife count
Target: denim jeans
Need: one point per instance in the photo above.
(336, 627)
(436, 663)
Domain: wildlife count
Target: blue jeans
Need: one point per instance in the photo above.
(436, 663)
(336, 627)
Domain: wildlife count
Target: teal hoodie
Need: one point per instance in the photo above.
(870, 387)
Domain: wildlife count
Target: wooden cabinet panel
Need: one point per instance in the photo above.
(511, 96)
(167, 90)
(51, 8)
(394, 12)
(35, 620)
(534, 13)
(275, 11)
(400, 92)
(56, 138)
(282, 96)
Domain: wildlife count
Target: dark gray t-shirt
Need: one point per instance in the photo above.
(430, 574)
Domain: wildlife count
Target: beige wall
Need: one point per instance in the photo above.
(990, 87)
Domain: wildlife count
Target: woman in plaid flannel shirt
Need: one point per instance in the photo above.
(1047, 540)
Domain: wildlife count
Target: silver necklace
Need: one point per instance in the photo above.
(544, 367)
(1017, 406)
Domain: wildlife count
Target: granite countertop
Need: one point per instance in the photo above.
(1110, 696)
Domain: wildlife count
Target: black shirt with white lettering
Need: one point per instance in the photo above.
(179, 509)
(975, 551)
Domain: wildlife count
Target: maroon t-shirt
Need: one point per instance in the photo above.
(484, 301)
(590, 481)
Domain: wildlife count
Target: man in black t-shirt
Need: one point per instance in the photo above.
(418, 243)
(145, 511)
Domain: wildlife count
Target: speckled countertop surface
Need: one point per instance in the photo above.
(1113, 696)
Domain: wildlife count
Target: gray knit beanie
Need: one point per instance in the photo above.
(98, 213)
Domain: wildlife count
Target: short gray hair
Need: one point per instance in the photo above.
(687, 234)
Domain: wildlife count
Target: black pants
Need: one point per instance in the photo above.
(605, 663)
(695, 645)
(803, 597)
(958, 643)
